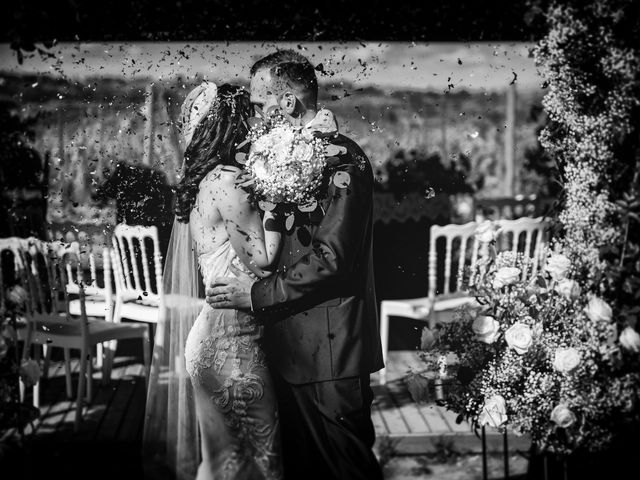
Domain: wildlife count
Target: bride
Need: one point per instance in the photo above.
(211, 405)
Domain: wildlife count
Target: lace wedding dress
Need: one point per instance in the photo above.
(235, 401)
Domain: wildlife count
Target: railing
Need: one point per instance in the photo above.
(511, 208)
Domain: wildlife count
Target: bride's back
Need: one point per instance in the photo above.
(205, 221)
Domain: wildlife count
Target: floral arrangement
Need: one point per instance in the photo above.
(538, 354)
(556, 354)
(286, 163)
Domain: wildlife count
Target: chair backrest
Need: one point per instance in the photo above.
(134, 263)
(91, 284)
(525, 235)
(466, 253)
(45, 278)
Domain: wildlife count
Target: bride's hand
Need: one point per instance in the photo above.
(227, 292)
(244, 180)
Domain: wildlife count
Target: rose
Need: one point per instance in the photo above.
(568, 288)
(519, 338)
(30, 372)
(630, 340)
(486, 328)
(566, 360)
(487, 232)
(494, 412)
(288, 177)
(598, 310)
(557, 265)
(428, 339)
(260, 169)
(303, 151)
(562, 416)
(506, 276)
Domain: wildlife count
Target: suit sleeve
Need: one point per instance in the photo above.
(326, 271)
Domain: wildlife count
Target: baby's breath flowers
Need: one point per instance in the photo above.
(285, 162)
(537, 356)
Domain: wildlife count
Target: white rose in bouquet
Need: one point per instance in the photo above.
(30, 372)
(558, 266)
(486, 328)
(487, 232)
(568, 288)
(630, 340)
(519, 338)
(562, 416)
(303, 152)
(260, 169)
(598, 310)
(494, 412)
(566, 360)
(506, 276)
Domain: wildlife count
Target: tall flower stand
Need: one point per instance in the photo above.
(505, 454)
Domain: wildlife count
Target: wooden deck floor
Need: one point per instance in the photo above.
(424, 428)
(112, 423)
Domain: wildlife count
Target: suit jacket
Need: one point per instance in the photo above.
(319, 308)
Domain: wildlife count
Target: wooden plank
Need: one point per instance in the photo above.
(434, 419)
(133, 420)
(392, 416)
(99, 407)
(464, 443)
(118, 407)
(67, 407)
(450, 418)
(408, 408)
(50, 393)
(52, 421)
(378, 422)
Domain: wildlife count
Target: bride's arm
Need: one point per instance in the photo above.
(256, 241)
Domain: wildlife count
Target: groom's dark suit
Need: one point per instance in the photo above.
(321, 332)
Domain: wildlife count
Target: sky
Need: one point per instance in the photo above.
(410, 66)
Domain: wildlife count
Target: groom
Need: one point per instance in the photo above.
(319, 309)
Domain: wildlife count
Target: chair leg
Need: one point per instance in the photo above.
(111, 348)
(99, 355)
(107, 367)
(146, 354)
(81, 389)
(47, 360)
(67, 372)
(384, 338)
(36, 388)
(89, 375)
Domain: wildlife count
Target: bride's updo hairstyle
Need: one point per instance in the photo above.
(212, 130)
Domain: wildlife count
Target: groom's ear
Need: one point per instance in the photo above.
(288, 103)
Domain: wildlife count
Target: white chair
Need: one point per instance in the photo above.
(534, 231)
(437, 306)
(50, 321)
(98, 299)
(134, 267)
(137, 297)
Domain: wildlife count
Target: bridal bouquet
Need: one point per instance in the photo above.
(286, 163)
(539, 355)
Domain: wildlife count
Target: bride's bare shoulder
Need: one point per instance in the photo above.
(222, 177)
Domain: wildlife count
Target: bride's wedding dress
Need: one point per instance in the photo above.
(235, 401)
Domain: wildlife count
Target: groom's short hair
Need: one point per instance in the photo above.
(290, 69)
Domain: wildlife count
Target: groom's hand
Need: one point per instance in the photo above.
(229, 292)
